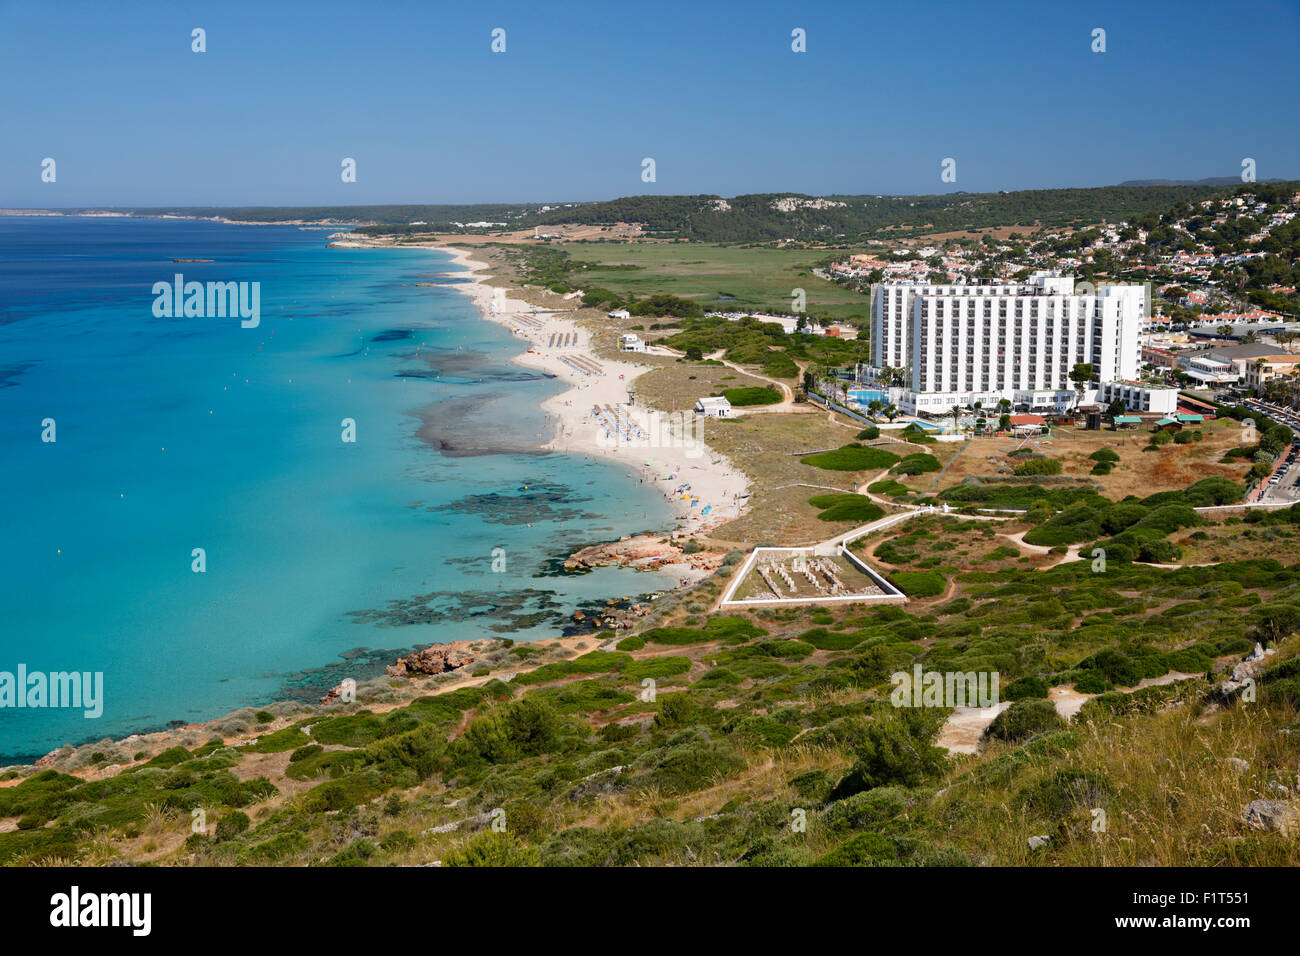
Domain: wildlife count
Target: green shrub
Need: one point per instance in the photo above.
(231, 825)
(693, 764)
(919, 584)
(853, 457)
(1068, 791)
(729, 630)
(898, 749)
(1024, 688)
(490, 848)
(917, 464)
(521, 728)
(1038, 466)
(302, 753)
(752, 395)
(847, 507)
(823, 639)
(1024, 720)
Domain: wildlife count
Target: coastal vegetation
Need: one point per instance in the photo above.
(756, 720)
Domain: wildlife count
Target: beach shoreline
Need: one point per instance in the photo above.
(703, 489)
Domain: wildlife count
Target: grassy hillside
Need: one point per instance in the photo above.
(769, 739)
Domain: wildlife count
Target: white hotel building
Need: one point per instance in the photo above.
(962, 344)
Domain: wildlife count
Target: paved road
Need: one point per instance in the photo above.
(1288, 489)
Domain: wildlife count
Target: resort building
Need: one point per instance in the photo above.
(630, 342)
(1210, 372)
(1139, 398)
(1232, 361)
(1268, 367)
(713, 407)
(961, 344)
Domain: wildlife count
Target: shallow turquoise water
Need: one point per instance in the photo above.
(183, 433)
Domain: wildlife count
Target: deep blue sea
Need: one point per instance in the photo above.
(324, 558)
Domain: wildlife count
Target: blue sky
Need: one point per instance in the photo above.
(585, 91)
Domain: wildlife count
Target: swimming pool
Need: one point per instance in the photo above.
(865, 396)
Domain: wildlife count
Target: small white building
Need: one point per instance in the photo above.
(620, 314)
(630, 342)
(711, 407)
(1139, 398)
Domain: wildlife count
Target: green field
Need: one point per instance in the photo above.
(718, 277)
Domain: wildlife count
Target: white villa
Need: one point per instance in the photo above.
(711, 407)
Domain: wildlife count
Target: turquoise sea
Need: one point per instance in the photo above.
(324, 558)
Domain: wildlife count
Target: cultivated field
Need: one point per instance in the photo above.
(729, 278)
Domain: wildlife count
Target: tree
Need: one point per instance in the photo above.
(898, 749)
(1080, 375)
(812, 376)
(1275, 621)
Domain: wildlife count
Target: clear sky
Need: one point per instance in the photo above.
(585, 90)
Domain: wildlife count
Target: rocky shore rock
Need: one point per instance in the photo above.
(431, 660)
(646, 553)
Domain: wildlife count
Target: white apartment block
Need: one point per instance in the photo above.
(961, 344)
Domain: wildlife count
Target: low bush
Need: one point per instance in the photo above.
(1024, 720)
(852, 457)
(1038, 466)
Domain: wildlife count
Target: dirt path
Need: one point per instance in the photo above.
(1018, 539)
(787, 403)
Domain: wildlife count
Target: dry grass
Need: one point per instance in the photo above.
(1177, 799)
(678, 385)
(1236, 542)
(1137, 473)
(768, 447)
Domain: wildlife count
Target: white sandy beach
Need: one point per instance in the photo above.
(704, 488)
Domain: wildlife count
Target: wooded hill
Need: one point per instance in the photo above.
(754, 218)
